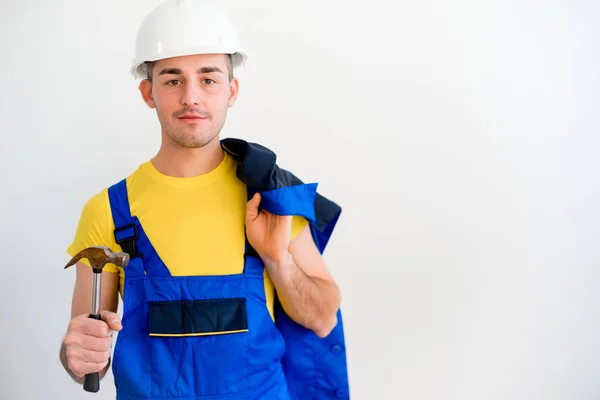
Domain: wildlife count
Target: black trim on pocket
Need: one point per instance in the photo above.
(197, 317)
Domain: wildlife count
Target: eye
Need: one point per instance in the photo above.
(208, 81)
(173, 82)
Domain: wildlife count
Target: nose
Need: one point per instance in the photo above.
(191, 94)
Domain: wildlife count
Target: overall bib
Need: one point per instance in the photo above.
(192, 337)
(212, 337)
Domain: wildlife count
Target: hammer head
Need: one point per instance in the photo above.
(99, 256)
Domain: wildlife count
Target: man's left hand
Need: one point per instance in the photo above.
(268, 234)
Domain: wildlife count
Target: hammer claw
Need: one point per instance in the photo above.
(98, 256)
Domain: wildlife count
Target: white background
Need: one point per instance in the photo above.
(461, 139)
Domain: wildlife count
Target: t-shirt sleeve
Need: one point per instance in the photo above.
(298, 224)
(95, 228)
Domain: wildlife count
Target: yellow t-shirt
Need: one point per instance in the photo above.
(196, 225)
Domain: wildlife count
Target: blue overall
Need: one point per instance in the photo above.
(212, 337)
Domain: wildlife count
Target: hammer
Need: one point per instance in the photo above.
(98, 256)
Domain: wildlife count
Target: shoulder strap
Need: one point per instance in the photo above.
(130, 235)
(126, 231)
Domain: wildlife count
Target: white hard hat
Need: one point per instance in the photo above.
(185, 27)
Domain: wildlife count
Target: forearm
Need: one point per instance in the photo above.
(311, 302)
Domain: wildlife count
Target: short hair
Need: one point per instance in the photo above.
(150, 65)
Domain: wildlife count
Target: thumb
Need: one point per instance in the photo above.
(112, 319)
(252, 207)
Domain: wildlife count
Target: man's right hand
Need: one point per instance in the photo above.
(88, 342)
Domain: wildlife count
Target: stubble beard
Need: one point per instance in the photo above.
(194, 137)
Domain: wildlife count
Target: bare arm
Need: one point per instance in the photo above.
(307, 292)
(89, 335)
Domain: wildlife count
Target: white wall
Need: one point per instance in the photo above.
(460, 137)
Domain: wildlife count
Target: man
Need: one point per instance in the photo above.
(210, 264)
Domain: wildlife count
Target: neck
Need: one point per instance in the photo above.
(181, 162)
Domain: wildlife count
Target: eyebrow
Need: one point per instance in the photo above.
(177, 71)
(208, 70)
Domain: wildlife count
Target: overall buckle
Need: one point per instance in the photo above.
(127, 243)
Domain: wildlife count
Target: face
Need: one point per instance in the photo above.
(191, 95)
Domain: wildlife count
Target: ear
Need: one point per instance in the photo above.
(234, 87)
(145, 88)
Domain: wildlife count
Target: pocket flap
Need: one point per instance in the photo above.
(197, 317)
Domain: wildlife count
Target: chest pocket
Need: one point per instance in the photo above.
(197, 317)
(199, 347)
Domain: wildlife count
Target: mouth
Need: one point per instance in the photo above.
(191, 116)
(191, 119)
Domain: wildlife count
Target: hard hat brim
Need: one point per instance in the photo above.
(138, 70)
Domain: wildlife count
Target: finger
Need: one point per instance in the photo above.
(93, 343)
(280, 218)
(79, 355)
(89, 326)
(81, 368)
(87, 342)
(252, 207)
(255, 200)
(95, 357)
(112, 319)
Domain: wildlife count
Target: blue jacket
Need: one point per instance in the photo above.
(315, 367)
